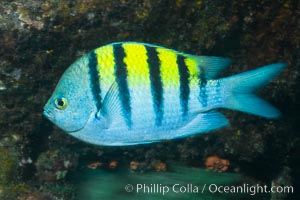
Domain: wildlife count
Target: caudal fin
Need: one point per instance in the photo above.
(239, 90)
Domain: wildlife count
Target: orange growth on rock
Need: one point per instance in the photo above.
(215, 163)
(94, 165)
(161, 167)
(113, 164)
(134, 165)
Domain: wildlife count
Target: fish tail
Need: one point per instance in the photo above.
(239, 91)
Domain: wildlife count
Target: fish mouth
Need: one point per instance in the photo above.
(51, 116)
(48, 114)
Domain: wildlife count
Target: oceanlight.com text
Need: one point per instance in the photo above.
(190, 188)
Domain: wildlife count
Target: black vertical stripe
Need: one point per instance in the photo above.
(94, 79)
(156, 83)
(184, 84)
(121, 75)
(218, 91)
(202, 87)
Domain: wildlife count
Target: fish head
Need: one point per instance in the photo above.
(71, 103)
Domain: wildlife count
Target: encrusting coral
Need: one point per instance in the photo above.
(215, 163)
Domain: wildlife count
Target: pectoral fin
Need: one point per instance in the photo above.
(111, 108)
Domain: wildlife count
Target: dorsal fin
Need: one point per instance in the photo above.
(211, 66)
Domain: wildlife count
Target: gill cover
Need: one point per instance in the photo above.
(71, 103)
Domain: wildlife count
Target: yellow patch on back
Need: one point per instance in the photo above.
(136, 63)
(169, 69)
(193, 70)
(105, 59)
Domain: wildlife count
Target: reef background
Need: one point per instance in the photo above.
(40, 39)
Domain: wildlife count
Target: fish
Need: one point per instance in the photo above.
(130, 93)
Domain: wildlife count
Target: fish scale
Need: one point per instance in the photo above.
(130, 93)
(135, 59)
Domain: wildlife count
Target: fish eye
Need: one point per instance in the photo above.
(61, 103)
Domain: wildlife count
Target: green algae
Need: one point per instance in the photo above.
(54, 165)
(9, 165)
(59, 190)
(10, 185)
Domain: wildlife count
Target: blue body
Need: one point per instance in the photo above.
(106, 122)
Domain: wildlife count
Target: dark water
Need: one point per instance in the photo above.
(40, 39)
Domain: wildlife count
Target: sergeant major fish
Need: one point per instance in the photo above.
(130, 93)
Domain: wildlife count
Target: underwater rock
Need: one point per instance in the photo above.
(37, 196)
(2, 86)
(11, 186)
(54, 165)
(39, 39)
(283, 179)
(9, 159)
